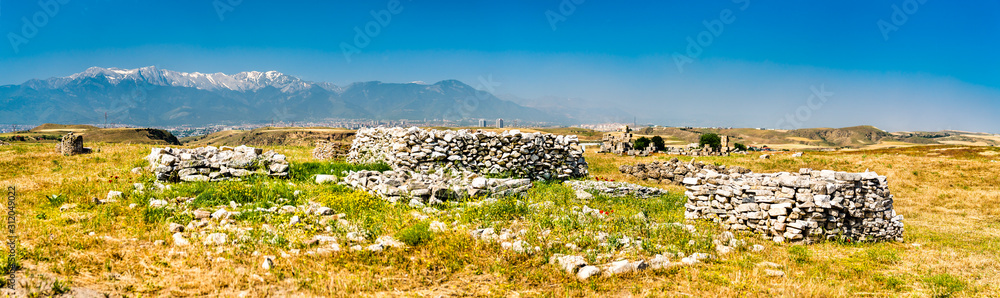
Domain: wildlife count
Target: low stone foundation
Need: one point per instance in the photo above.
(214, 164)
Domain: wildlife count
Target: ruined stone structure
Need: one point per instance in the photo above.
(330, 150)
(214, 164)
(537, 156)
(621, 143)
(71, 144)
(617, 142)
(806, 206)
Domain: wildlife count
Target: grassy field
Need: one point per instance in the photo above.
(949, 195)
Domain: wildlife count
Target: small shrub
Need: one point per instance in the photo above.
(640, 143)
(711, 139)
(416, 234)
(799, 254)
(740, 147)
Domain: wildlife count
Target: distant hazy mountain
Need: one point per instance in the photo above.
(575, 110)
(152, 96)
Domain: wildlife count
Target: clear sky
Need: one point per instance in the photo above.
(898, 65)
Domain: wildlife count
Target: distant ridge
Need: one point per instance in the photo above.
(150, 96)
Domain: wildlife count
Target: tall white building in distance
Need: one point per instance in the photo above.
(482, 122)
(500, 123)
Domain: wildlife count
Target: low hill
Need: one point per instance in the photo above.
(52, 132)
(271, 136)
(807, 138)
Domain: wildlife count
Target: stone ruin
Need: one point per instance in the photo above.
(71, 144)
(617, 142)
(538, 156)
(433, 166)
(807, 206)
(693, 150)
(330, 150)
(214, 164)
(674, 171)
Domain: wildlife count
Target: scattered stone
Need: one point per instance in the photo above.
(66, 206)
(220, 214)
(175, 227)
(155, 203)
(774, 273)
(765, 156)
(268, 263)
(438, 227)
(320, 179)
(113, 196)
(158, 242)
(216, 239)
(757, 248)
(294, 220)
(323, 211)
(201, 214)
(179, 240)
(587, 271)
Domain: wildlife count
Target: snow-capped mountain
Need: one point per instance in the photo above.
(153, 96)
(244, 81)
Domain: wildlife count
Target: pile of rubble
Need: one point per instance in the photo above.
(433, 188)
(214, 164)
(330, 150)
(674, 171)
(807, 206)
(537, 156)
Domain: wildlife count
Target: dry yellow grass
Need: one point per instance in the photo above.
(951, 204)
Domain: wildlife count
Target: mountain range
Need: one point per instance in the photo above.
(151, 96)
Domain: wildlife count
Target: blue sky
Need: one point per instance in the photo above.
(937, 70)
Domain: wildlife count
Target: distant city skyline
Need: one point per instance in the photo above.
(897, 65)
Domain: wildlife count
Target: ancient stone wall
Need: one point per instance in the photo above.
(330, 150)
(807, 206)
(214, 164)
(674, 171)
(537, 156)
